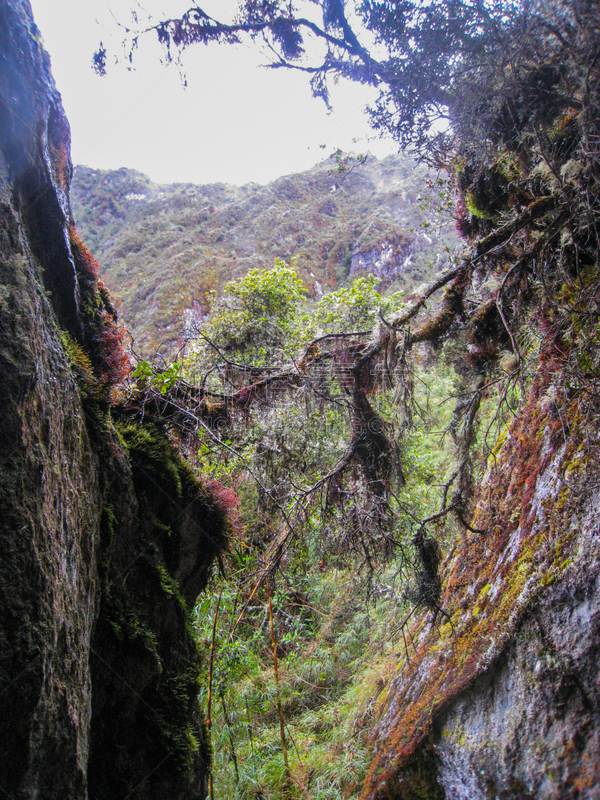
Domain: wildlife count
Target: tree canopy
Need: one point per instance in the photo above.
(516, 86)
(444, 67)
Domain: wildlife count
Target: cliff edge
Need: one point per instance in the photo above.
(106, 537)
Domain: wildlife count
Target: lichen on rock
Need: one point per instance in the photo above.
(504, 692)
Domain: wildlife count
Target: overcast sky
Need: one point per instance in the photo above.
(236, 122)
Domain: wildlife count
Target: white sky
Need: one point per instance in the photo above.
(235, 123)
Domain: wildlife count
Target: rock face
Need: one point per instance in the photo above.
(500, 698)
(95, 652)
(528, 727)
(387, 259)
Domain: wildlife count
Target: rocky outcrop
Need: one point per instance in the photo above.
(104, 533)
(499, 698)
(383, 260)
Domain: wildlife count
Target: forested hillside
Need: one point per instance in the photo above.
(163, 248)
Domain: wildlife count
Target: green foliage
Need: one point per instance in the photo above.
(356, 307)
(334, 645)
(259, 319)
(147, 375)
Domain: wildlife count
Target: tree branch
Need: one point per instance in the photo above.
(399, 322)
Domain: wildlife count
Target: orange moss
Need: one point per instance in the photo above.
(527, 514)
(60, 159)
(103, 336)
(84, 260)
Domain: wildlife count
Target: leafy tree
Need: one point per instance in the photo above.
(355, 307)
(316, 438)
(259, 318)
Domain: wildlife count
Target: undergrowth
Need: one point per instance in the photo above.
(337, 645)
(340, 630)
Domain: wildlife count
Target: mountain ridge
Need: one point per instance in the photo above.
(163, 248)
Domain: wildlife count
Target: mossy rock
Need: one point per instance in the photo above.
(145, 666)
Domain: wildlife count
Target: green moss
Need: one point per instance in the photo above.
(80, 363)
(472, 203)
(143, 629)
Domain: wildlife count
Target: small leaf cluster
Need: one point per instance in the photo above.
(148, 375)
